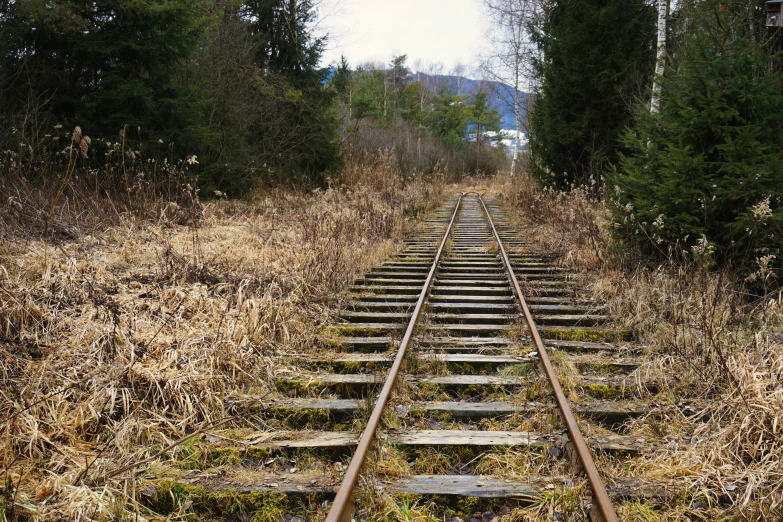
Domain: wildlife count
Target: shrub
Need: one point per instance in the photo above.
(706, 173)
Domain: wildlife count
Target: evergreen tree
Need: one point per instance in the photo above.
(285, 43)
(449, 119)
(484, 120)
(709, 166)
(596, 55)
(239, 85)
(411, 107)
(289, 54)
(341, 80)
(397, 77)
(369, 93)
(105, 64)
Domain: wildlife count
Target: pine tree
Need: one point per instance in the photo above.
(596, 55)
(709, 166)
(397, 76)
(484, 120)
(411, 107)
(450, 117)
(369, 93)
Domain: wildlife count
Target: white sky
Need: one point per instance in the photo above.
(446, 31)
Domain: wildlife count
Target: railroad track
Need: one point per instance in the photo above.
(436, 383)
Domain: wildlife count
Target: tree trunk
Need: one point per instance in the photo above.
(660, 61)
(516, 116)
(385, 95)
(478, 143)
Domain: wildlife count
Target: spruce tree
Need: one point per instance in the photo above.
(597, 54)
(485, 121)
(286, 44)
(104, 64)
(288, 52)
(341, 79)
(708, 168)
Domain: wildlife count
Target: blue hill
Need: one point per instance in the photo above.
(500, 94)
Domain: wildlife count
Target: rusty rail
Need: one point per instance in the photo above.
(343, 497)
(596, 483)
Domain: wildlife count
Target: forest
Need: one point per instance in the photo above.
(238, 86)
(668, 113)
(228, 96)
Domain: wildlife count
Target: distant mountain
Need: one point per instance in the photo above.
(500, 97)
(500, 94)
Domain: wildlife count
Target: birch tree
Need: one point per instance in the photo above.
(512, 49)
(660, 58)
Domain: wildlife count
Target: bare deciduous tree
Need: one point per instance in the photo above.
(459, 71)
(509, 62)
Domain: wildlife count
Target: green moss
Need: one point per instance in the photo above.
(199, 456)
(224, 457)
(348, 367)
(579, 335)
(331, 343)
(345, 367)
(603, 391)
(443, 417)
(215, 505)
(301, 418)
(517, 369)
(436, 392)
(601, 367)
(357, 390)
(287, 385)
(426, 391)
(469, 505)
(190, 456)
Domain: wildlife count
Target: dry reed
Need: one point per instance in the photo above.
(709, 342)
(125, 337)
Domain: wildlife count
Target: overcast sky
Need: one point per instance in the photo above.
(447, 31)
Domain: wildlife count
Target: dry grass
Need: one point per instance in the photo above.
(122, 338)
(708, 341)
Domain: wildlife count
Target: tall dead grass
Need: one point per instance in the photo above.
(134, 330)
(710, 340)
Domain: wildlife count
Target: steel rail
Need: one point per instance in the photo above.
(596, 483)
(343, 496)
